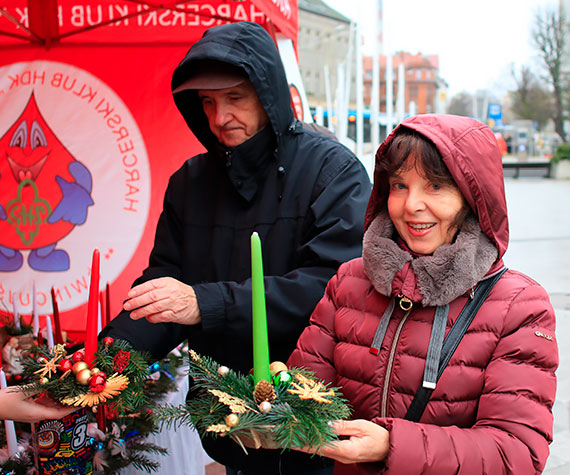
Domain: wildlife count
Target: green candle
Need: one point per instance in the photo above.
(260, 340)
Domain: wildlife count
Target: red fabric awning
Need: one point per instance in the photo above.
(49, 22)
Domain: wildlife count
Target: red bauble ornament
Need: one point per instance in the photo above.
(77, 356)
(98, 382)
(108, 341)
(65, 365)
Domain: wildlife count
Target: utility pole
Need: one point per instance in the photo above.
(359, 97)
(389, 94)
(375, 92)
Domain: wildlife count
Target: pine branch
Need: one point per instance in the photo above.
(298, 417)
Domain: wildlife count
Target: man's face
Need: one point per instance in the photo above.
(234, 114)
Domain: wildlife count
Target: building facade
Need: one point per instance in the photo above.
(324, 44)
(424, 91)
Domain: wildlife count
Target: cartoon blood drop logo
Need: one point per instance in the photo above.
(74, 176)
(46, 193)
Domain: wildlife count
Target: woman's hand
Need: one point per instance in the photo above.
(163, 300)
(18, 405)
(362, 441)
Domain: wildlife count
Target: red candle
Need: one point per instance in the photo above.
(102, 306)
(58, 337)
(108, 306)
(101, 417)
(92, 311)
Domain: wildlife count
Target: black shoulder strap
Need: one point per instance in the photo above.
(451, 342)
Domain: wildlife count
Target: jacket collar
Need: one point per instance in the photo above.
(451, 271)
(247, 163)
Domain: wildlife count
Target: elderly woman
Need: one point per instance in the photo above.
(436, 230)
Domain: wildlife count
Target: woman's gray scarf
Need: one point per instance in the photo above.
(451, 271)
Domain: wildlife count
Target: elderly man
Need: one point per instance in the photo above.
(304, 193)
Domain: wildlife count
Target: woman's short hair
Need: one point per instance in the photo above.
(409, 149)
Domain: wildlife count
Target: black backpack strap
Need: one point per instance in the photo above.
(451, 342)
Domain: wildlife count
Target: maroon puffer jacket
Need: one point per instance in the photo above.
(491, 410)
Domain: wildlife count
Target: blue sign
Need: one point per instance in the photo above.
(495, 112)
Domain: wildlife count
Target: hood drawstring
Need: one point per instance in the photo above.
(435, 342)
(280, 169)
(280, 181)
(381, 329)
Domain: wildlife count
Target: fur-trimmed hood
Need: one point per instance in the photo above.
(452, 270)
(471, 153)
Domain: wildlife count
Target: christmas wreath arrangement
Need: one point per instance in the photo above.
(293, 410)
(70, 380)
(122, 442)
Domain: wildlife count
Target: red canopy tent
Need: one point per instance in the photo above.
(85, 98)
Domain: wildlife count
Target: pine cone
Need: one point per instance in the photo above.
(264, 392)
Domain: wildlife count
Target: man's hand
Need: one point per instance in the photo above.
(163, 300)
(363, 441)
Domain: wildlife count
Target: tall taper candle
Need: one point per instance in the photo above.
(107, 305)
(49, 331)
(35, 316)
(11, 439)
(16, 314)
(92, 311)
(99, 313)
(57, 335)
(259, 316)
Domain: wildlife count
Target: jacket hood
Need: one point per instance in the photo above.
(471, 153)
(245, 45)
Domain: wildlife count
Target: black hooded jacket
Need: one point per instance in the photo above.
(303, 193)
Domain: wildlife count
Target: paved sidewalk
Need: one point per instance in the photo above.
(539, 218)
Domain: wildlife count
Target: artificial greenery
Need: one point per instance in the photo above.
(42, 366)
(121, 447)
(11, 330)
(124, 443)
(222, 403)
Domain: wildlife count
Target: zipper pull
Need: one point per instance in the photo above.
(405, 303)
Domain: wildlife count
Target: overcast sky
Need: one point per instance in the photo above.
(476, 41)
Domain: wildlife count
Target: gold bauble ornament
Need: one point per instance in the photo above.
(44, 381)
(265, 407)
(79, 366)
(95, 370)
(232, 420)
(276, 367)
(83, 376)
